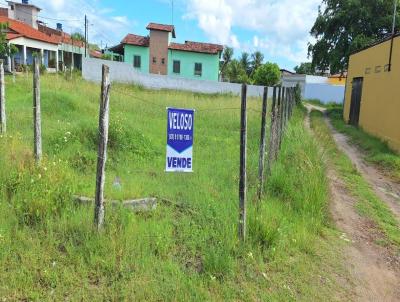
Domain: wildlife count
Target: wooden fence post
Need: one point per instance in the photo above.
(284, 97)
(13, 68)
(37, 121)
(282, 100)
(287, 107)
(272, 133)
(102, 151)
(242, 171)
(278, 124)
(3, 120)
(291, 103)
(261, 162)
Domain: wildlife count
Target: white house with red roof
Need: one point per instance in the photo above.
(57, 49)
(158, 54)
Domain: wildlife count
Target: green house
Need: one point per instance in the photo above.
(158, 54)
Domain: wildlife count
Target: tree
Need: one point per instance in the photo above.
(245, 62)
(236, 73)
(346, 26)
(305, 68)
(77, 36)
(227, 56)
(268, 74)
(257, 59)
(6, 50)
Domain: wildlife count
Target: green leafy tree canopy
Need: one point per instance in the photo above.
(77, 36)
(257, 59)
(305, 68)
(344, 26)
(268, 74)
(5, 48)
(236, 73)
(245, 62)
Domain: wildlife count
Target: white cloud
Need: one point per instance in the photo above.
(280, 27)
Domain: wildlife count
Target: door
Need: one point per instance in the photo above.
(356, 101)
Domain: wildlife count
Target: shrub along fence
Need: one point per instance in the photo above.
(284, 100)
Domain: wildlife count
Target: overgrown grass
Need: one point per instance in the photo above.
(184, 251)
(376, 151)
(368, 203)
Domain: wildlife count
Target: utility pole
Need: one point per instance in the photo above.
(394, 17)
(393, 33)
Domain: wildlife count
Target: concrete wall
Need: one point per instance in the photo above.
(210, 64)
(315, 87)
(125, 73)
(326, 93)
(380, 97)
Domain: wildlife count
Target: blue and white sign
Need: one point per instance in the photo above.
(180, 140)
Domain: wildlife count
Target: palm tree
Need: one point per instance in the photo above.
(236, 73)
(227, 56)
(245, 62)
(257, 59)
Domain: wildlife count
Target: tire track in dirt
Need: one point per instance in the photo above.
(374, 270)
(386, 189)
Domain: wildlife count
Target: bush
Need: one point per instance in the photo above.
(38, 192)
(268, 74)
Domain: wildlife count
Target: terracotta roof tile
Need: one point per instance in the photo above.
(197, 47)
(27, 31)
(96, 54)
(11, 36)
(136, 40)
(162, 27)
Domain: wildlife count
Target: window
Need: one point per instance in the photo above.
(198, 69)
(137, 61)
(12, 7)
(163, 61)
(177, 67)
(154, 60)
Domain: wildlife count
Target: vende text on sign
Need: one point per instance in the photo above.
(180, 140)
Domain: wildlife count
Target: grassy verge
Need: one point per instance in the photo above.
(182, 252)
(376, 151)
(368, 203)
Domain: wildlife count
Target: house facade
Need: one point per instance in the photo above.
(372, 99)
(56, 48)
(158, 54)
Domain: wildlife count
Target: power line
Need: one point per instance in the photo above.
(44, 17)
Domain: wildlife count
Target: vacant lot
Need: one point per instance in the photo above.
(186, 249)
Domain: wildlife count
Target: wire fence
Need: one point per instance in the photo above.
(228, 137)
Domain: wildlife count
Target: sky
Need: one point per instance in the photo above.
(278, 28)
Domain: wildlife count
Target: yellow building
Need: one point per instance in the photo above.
(373, 90)
(338, 79)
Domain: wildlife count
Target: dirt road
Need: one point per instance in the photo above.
(374, 269)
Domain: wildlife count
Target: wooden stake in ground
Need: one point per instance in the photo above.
(102, 152)
(37, 122)
(272, 137)
(242, 171)
(3, 121)
(279, 123)
(261, 162)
